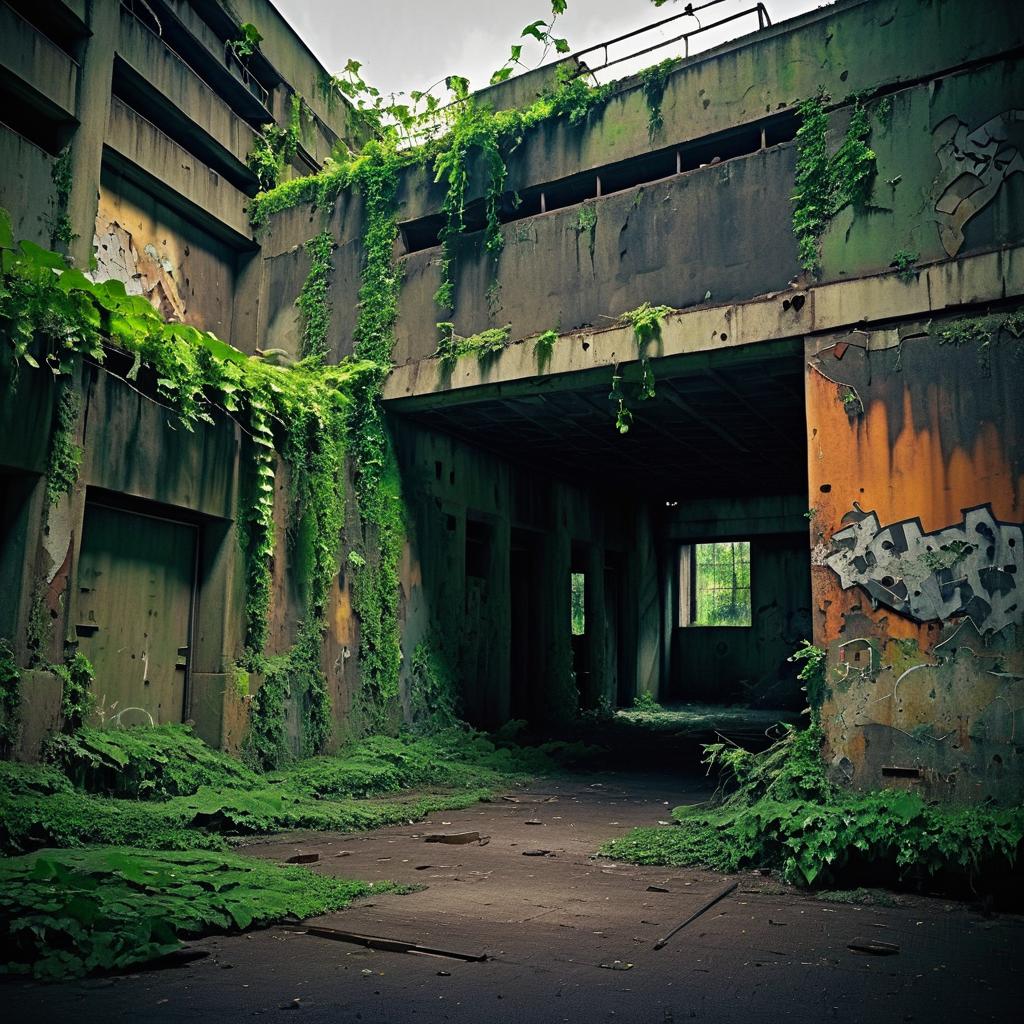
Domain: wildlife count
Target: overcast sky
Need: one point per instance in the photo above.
(410, 44)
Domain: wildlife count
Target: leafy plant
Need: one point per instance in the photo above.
(813, 675)
(784, 813)
(543, 346)
(313, 302)
(77, 699)
(903, 261)
(825, 183)
(10, 698)
(543, 32)
(247, 42)
(645, 702)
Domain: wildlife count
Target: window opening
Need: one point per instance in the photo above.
(579, 618)
(714, 584)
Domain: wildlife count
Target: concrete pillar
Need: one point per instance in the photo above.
(596, 627)
(94, 77)
(648, 606)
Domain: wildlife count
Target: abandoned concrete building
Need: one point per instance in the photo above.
(845, 428)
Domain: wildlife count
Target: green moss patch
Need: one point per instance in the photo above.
(67, 913)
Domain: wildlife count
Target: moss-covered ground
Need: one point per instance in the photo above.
(119, 847)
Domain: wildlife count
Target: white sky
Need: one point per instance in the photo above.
(410, 44)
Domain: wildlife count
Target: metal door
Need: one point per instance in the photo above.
(136, 580)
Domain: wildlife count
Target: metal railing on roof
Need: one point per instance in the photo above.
(690, 11)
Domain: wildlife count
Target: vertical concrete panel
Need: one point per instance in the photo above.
(903, 438)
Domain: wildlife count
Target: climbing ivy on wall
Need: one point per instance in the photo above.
(10, 698)
(51, 314)
(646, 323)
(825, 183)
(59, 222)
(653, 81)
(65, 455)
(313, 303)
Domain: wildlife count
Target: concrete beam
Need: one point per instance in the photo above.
(139, 148)
(45, 71)
(984, 277)
(187, 99)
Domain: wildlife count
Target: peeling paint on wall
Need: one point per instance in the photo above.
(974, 166)
(969, 569)
(148, 273)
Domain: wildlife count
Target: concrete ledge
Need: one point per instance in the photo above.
(30, 57)
(178, 177)
(192, 100)
(968, 280)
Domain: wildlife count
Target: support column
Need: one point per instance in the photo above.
(95, 72)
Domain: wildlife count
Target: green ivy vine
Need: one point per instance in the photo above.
(10, 698)
(646, 323)
(825, 183)
(653, 81)
(64, 459)
(51, 314)
(313, 303)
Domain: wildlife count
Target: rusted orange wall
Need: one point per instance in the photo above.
(926, 430)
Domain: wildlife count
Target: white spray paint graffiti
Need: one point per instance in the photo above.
(970, 569)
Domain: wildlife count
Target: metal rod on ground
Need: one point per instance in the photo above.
(693, 917)
(391, 945)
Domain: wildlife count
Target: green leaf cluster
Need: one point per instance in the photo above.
(826, 183)
(10, 698)
(485, 345)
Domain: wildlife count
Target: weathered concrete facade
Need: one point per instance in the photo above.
(840, 422)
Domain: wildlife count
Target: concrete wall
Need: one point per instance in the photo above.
(925, 662)
(744, 664)
(518, 523)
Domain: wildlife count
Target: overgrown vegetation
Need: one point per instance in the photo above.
(64, 458)
(812, 674)
(276, 145)
(983, 332)
(64, 913)
(543, 346)
(159, 788)
(784, 813)
(451, 346)
(53, 315)
(826, 183)
(313, 302)
(653, 81)
(10, 698)
(646, 323)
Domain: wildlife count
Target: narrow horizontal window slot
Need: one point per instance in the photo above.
(645, 169)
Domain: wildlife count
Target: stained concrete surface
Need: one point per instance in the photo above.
(549, 923)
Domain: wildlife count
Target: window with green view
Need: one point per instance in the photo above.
(715, 584)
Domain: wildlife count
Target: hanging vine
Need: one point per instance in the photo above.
(824, 183)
